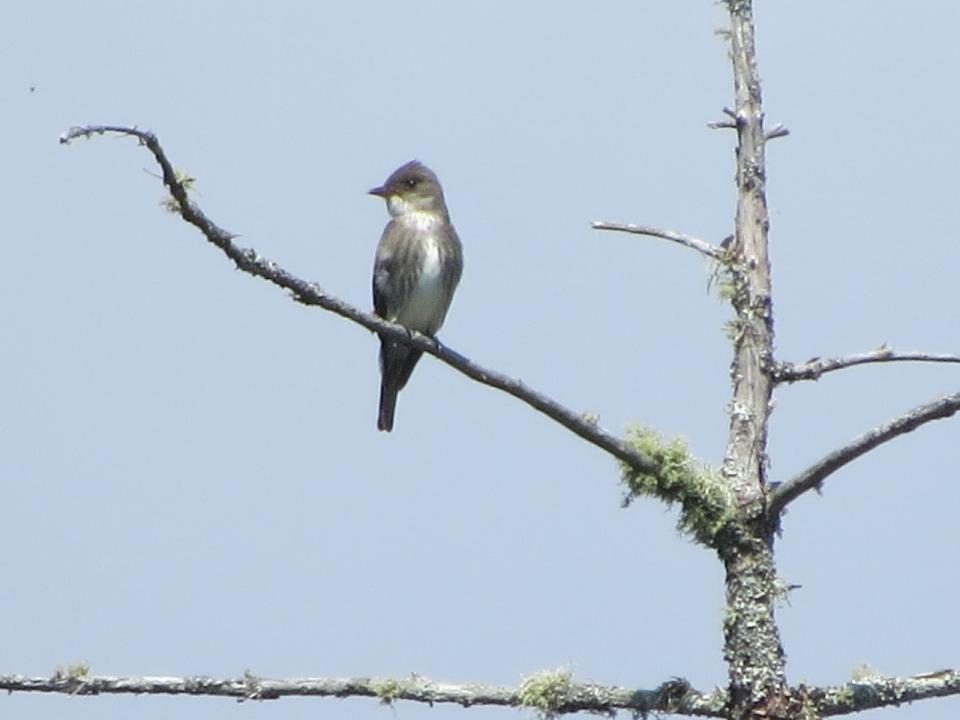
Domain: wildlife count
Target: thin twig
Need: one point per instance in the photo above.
(813, 476)
(876, 692)
(308, 293)
(697, 244)
(777, 131)
(813, 369)
(674, 697)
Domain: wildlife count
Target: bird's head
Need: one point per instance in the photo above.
(412, 188)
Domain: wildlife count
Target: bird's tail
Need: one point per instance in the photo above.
(388, 405)
(396, 363)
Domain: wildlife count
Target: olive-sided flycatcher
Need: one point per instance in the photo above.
(417, 268)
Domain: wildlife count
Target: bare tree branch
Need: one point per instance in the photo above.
(722, 125)
(877, 692)
(813, 369)
(308, 293)
(814, 475)
(674, 697)
(701, 246)
(777, 131)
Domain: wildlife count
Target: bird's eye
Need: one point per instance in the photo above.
(410, 183)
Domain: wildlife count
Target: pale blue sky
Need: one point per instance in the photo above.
(193, 479)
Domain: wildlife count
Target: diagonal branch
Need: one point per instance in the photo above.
(777, 131)
(813, 369)
(876, 692)
(562, 696)
(701, 246)
(814, 475)
(308, 293)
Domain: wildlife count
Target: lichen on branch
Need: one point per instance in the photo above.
(706, 504)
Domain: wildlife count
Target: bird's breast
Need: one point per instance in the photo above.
(427, 304)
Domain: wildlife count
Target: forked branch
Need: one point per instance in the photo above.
(308, 293)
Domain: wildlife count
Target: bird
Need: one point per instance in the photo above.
(416, 270)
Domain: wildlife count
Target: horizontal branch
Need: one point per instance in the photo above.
(722, 125)
(701, 246)
(551, 693)
(673, 697)
(249, 261)
(813, 369)
(813, 476)
(876, 692)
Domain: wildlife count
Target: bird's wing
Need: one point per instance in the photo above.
(453, 260)
(392, 280)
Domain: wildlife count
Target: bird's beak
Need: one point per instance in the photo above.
(378, 191)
